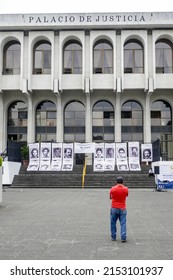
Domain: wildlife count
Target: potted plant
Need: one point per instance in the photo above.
(25, 155)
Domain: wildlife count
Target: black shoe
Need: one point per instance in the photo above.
(123, 240)
(113, 239)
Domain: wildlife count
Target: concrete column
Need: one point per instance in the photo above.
(118, 117)
(88, 119)
(59, 125)
(147, 120)
(2, 131)
(119, 75)
(31, 121)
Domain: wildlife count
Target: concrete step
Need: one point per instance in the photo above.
(72, 179)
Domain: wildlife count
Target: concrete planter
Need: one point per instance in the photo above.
(25, 162)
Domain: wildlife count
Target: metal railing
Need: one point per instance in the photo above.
(84, 174)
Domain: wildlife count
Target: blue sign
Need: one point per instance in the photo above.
(164, 185)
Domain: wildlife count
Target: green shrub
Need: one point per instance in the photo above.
(25, 152)
(1, 161)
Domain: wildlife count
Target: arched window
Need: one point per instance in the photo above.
(133, 57)
(72, 63)
(17, 122)
(11, 58)
(42, 58)
(131, 122)
(161, 120)
(103, 122)
(103, 57)
(164, 57)
(45, 130)
(74, 122)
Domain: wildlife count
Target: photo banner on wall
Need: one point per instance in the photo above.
(34, 155)
(146, 152)
(109, 156)
(134, 156)
(68, 155)
(59, 156)
(99, 157)
(56, 162)
(121, 156)
(45, 157)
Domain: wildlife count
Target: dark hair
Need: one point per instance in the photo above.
(147, 150)
(119, 180)
(45, 149)
(65, 150)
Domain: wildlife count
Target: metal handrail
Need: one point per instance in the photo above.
(84, 174)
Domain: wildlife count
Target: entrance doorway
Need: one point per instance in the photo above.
(79, 159)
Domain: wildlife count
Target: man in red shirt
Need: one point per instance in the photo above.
(118, 195)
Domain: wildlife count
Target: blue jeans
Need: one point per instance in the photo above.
(115, 214)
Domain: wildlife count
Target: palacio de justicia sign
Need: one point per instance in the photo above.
(78, 20)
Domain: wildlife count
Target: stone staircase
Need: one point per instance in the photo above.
(45, 179)
(132, 179)
(73, 179)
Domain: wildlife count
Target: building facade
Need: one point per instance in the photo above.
(87, 78)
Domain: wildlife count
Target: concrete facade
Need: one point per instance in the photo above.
(88, 88)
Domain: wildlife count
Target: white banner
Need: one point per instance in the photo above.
(60, 156)
(34, 155)
(146, 152)
(121, 156)
(45, 165)
(133, 150)
(122, 165)
(110, 151)
(82, 148)
(56, 151)
(134, 163)
(99, 155)
(45, 157)
(45, 151)
(109, 156)
(34, 152)
(67, 157)
(121, 150)
(56, 163)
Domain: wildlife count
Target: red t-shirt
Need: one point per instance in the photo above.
(118, 195)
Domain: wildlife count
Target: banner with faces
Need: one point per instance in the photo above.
(60, 156)
(34, 157)
(56, 163)
(133, 148)
(67, 163)
(99, 157)
(45, 157)
(104, 157)
(109, 157)
(146, 152)
(50, 157)
(121, 156)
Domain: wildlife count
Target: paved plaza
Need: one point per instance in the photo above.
(71, 224)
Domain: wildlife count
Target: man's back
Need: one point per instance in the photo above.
(118, 195)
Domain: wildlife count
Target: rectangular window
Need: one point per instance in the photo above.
(155, 114)
(126, 115)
